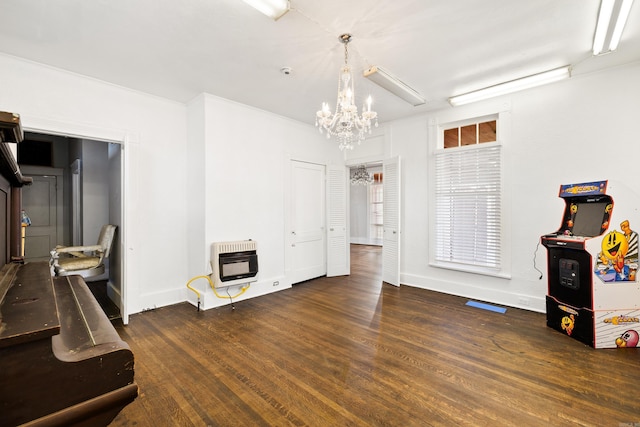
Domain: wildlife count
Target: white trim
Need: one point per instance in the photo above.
(74, 130)
(469, 269)
(502, 296)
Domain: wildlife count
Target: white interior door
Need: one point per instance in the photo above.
(307, 236)
(391, 221)
(39, 202)
(42, 201)
(338, 257)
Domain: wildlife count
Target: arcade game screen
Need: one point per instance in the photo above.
(589, 218)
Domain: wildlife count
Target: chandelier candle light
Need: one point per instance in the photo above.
(346, 125)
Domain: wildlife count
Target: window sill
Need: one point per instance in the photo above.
(470, 269)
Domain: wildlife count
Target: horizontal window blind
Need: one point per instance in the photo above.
(468, 206)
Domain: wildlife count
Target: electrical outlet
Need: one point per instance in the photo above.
(524, 301)
(276, 283)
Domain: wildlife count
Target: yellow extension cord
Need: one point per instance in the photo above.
(242, 291)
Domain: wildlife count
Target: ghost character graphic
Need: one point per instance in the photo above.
(628, 339)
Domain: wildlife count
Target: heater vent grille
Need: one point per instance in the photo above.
(238, 246)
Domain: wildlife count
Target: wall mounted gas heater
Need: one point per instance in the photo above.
(234, 263)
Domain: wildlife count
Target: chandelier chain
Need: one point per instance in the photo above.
(346, 53)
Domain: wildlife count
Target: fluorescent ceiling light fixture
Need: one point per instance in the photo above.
(512, 86)
(611, 21)
(385, 79)
(274, 9)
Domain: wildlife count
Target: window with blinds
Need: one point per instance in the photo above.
(468, 207)
(376, 206)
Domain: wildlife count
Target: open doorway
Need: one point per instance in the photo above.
(387, 200)
(366, 213)
(366, 205)
(76, 190)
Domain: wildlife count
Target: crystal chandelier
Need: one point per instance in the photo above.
(361, 176)
(345, 124)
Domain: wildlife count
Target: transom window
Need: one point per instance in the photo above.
(470, 134)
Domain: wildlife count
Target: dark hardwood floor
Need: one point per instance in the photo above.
(99, 291)
(351, 351)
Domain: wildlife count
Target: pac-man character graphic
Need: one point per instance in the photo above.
(573, 209)
(614, 248)
(567, 323)
(628, 339)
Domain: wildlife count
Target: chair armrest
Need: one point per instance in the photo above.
(67, 249)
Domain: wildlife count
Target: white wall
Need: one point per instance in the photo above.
(246, 179)
(578, 130)
(196, 186)
(95, 189)
(154, 134)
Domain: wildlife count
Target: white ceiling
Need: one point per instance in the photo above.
(180, 48)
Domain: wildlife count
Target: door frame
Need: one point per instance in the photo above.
(377, 160)
(107, 135)
(369, 163)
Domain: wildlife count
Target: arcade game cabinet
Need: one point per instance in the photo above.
(593, 294)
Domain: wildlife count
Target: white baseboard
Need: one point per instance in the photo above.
(209, 299)
(491, 295)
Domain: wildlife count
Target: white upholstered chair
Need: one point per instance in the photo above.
(85, 261)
